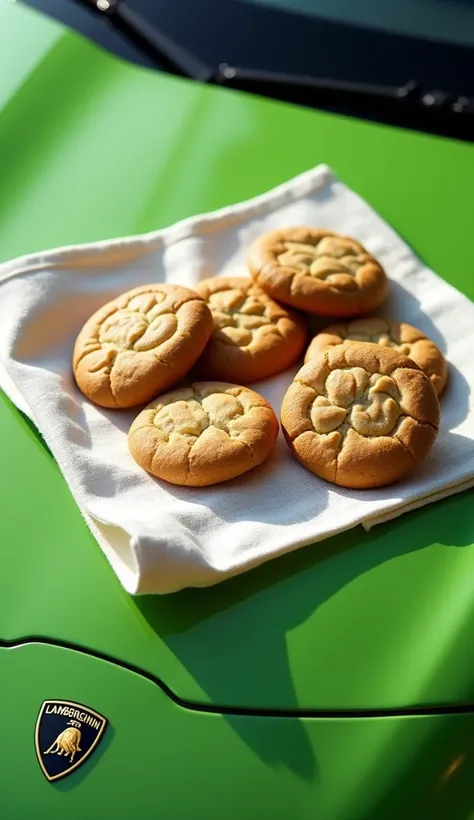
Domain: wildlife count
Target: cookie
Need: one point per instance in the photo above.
(203, 434)
(140, 344)
(398, 335)
(253, 336)
(360, 415)
(318, 271)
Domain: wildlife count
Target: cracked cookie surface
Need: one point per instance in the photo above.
(253, 336)
(360, 415)
(400, 336)
(203, 434)
(140, 344)
(318, 271)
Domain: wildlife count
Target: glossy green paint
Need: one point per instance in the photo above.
(91, 148)
(159, 760)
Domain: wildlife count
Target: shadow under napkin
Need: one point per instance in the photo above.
(233, 637)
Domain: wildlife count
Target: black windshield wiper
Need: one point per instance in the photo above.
(162, 49)
(409, 104)
(410, 100)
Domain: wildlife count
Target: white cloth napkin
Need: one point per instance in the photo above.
(159, 538)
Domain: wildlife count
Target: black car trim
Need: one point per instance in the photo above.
(245, 711)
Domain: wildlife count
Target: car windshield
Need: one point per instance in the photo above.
(387, 46)
(446, 20)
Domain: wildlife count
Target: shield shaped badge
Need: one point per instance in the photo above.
(66, 735)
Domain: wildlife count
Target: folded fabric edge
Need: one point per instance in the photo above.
(126, 570)
(217, 575)
(122, 556)
(214, 575)
(424, 501)
(10, 389)
(308, 181)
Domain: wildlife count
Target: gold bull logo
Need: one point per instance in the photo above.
(67, 743)
(66, 735)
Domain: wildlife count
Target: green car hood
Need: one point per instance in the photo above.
(159, 760)
(92, 148)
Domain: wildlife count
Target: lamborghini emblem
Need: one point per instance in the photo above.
(66, 735)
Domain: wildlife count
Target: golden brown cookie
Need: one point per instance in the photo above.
(140, 343)
(253, 337)
(398, 335)
(318, 271)
(203, 434)
(360, 415)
